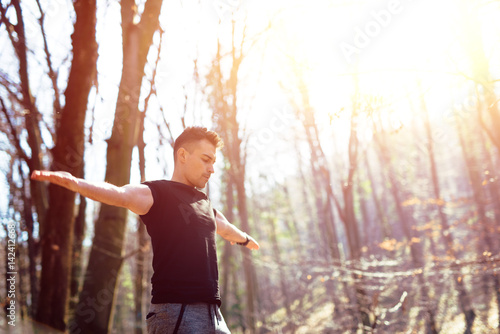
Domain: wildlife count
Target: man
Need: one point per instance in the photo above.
(182, 224)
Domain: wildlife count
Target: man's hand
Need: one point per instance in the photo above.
(63, 179)
(233, 234)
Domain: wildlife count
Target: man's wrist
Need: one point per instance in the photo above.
(245, 242)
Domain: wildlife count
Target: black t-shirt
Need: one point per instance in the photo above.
(181, 224)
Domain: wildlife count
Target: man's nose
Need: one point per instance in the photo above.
(211, 169)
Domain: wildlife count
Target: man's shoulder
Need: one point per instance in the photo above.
(178, 189)
(157, 187)
(160, 190)
(157, 182)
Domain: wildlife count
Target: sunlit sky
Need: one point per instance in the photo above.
(390, 44)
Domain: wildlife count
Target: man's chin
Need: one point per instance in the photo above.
(202, 184)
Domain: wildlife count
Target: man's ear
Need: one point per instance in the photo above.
(181, 154)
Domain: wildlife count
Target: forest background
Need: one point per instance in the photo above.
(362, 151)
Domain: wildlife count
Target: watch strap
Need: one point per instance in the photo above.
(244, 243)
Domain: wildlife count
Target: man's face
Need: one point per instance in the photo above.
(197, 163)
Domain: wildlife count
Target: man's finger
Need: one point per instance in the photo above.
(42, 175)
(253, 245)
(36, 174)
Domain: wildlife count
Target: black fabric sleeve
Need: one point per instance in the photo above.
(156, 193)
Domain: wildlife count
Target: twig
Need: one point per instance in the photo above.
(52, 73)
(13, 132)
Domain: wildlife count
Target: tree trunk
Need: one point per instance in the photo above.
(237, 173)
(464, 300)
(142, 239)
(315, 235)
(57, 237)
(486, 242)
(491, 177)
(248, 266)
(17, 35)
(38, 189)
(324, 199)
(382, 217)
(281, 269)
(406, 222)
(321, 178)
(228, 127)
(32, 245)
(472, 41)
(227, 253)
(346, 213)
(21, 293)
(474, 47)
(94, 311)
(77, 260)
(294, 229)
(368, 236)
(495, 197)
(348, 217)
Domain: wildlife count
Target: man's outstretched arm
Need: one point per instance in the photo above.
(136, 198)
(233, 234)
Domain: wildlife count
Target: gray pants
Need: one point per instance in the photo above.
(199, 318)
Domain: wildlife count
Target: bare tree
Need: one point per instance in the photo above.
(405, 219)
(99, 286)
(472, 41)
(57, 238)
(223, 100)
(55, 212)
(474, 172)
(464, 299)
(17, 37)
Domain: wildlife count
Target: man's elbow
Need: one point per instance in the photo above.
(222, 229)
(138, 207)
(126, 199)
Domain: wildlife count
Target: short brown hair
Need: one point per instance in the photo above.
(196, 133)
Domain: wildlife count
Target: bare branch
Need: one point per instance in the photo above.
(10, 86)
(337, 204)
(52, 73)
(153, 75)
(13, 133)
(9, 26)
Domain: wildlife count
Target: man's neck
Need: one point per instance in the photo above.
(180, 179)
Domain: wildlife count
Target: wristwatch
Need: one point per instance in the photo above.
(244, 243)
